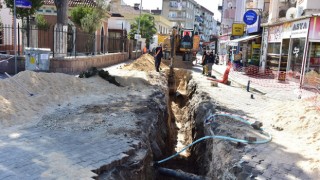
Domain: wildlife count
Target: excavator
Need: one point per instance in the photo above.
(186, 44)
(183, 46)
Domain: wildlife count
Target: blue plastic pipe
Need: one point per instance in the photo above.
(223, 137)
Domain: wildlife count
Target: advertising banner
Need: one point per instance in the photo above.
(254, 27)
(314, 32)
(275, 33)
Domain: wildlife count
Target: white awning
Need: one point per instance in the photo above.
(243, 39)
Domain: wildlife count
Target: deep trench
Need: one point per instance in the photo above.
(181, 129)
(188, 106)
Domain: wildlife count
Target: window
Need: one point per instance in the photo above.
(172, 14)
(173, 4)
(273, 56)
(313, 65)
(274, 48)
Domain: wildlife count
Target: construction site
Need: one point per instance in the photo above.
(151, 125)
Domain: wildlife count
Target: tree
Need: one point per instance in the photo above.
(89, 18)
(42, 22)
(62, 11)
(147, 28)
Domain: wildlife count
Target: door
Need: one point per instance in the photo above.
(283, 59)
(296, 58)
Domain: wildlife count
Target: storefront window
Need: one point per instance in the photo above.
(274, 48)
(273, 56)
(312, 77)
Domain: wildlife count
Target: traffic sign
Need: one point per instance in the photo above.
(23, 4)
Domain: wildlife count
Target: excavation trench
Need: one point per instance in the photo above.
(179, 123)
(214, 146)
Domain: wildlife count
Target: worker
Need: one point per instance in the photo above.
(207, 60)
(186, 37)
(158, 57)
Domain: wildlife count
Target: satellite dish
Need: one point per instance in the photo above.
(291, 13)
(229, 4)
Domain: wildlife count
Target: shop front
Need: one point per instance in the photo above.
(312, 65)
(247, 50)
(287, 47)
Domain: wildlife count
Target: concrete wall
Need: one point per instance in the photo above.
(79, 64)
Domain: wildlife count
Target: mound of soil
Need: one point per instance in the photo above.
(144, 63)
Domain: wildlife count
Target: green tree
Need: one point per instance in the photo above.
(42, 22)
(89, 19)
(79, 12)
(147, 28)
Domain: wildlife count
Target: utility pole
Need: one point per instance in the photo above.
(138, 32)
(15, 36)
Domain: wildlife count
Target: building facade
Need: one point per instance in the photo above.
(181, 13)
(191, 15)
(292, 48)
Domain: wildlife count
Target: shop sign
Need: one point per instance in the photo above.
(314, 32)
(237, 29)
(250, 17)
(254, 27)
(300, 28)
(23, 4)
(286, 30)
(275, 33)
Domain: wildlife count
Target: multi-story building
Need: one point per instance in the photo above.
(129, 14)
(204, 23)
(181, 13)
(189, 14)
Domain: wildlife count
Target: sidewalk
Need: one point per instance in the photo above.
(266, 85)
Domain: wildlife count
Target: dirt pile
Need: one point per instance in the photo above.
(144, 63)
(49, 89)
(301, 118)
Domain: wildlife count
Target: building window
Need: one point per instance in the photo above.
(173, 4)
(172, 14)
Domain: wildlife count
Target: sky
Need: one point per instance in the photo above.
(211, 5)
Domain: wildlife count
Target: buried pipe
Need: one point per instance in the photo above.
(248, 140)
(179, 174)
